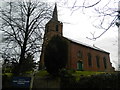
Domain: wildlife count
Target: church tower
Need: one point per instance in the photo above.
(52, 28)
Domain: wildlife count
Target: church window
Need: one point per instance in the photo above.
(105, 63)
(89, 59)
(47, 29)
(57, 28)
(97, 61)
(79, 54)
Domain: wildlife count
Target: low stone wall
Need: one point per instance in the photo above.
(46, 82)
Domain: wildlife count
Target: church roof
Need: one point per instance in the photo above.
(55, 18)
(86, 45)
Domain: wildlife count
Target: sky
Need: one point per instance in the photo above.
(79, 25)
(81, 28)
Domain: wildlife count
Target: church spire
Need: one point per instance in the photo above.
(55, 16)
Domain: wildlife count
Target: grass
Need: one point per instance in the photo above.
(86, 73)
(8, 74)
(78, 74)
(42, 73)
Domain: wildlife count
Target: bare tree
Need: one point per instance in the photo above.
(22, 26)
(105, 12)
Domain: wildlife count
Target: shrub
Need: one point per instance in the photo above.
(55, 55)
(106, 80)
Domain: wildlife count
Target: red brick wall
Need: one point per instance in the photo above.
(50, 31)
(74, 48)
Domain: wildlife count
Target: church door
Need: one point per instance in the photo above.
(79, 65)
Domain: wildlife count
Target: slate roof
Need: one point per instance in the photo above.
(86, 45)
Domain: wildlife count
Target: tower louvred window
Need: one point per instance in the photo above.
(56, 27)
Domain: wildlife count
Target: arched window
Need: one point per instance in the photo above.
(57, 28)
(79, 54)
(105, 62)
(89, 59)
(97, 61)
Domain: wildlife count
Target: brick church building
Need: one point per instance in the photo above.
(80, 56)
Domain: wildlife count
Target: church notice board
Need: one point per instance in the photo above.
(23, 82)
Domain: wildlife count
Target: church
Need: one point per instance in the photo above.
(81, 56)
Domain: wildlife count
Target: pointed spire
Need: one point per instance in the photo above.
(55, 16)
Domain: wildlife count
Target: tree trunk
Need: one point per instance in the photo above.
(23, 49)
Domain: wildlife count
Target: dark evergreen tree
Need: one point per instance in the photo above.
(28, 65)
(56, 53)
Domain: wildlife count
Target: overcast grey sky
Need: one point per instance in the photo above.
(78, 26)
